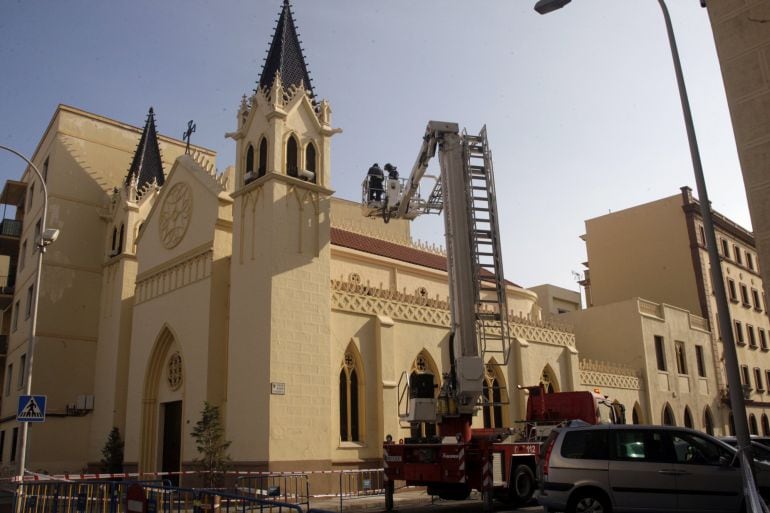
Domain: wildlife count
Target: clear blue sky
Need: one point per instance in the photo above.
(581, 104)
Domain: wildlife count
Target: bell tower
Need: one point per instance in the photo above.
(279, 380)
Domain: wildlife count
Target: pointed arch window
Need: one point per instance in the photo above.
(668, 416)
(250, 160)
(708, 421)
(121, 238)
(424, 364)
(494, 392)
(310, 161)
(350, 398)
(687, 418)
(765, 425)
(753, 425)
(548, 381)
(292, 157)
(262, 169)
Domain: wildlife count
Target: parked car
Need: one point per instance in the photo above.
(607, 468)
(761, 440)
(761, 451)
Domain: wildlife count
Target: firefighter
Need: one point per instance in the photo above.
(392, 171)
(376, 177)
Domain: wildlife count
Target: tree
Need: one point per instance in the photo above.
(209, 435)
(112, 453)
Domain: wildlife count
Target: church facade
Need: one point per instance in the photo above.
(252, 288)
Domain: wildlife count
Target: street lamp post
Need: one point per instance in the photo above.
(723, 314)
(47, 236)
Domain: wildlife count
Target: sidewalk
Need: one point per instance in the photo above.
(408, 497)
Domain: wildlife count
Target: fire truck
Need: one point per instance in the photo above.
(450, 458)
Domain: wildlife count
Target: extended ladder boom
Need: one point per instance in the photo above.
(465, 192)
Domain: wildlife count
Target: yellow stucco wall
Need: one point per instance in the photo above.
(655, 236)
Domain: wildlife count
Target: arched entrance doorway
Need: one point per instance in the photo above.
(163, 408)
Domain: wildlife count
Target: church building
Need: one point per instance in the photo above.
(252, 288)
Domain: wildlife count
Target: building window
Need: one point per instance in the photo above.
(767, 377)
(750, 260)
(765, 425)
(660, 353)
(738, 256)
(725, 249)
(702, 235)
(15, 318)
(752, 337)
(8, 379)
(681, 360)
(699, 362)
(249, 162)
(310, 161)
(22, 371)
(262, 169)
(708, 422)
(31, 196)
(745, 378)
(292, 157)
(758, 379)
(14, 441)
(732, 290)
(350, 394)
(30, 293)
(739, 333)
(745, 296)
(121, 238)
(753, 425)
(38, 233)
(493, 399)
(757, 301)
(762, 339)
(687, 418)
(668, 416)
(2, 444)
(22, 255)
(45, 169)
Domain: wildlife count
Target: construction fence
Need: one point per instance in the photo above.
(263, 491)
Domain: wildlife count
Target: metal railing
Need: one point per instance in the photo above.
(10, 228)
(75, 497)
(160, 496)
(290, 488)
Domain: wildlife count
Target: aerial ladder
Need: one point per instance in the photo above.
(465, 192)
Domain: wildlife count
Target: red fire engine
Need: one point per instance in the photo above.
(456, 459)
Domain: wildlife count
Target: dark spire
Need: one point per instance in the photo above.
(147, 165)
(285, 55)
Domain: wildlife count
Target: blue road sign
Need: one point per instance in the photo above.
(31, 408)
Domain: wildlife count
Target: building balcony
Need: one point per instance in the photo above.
(10, 232)
(10, 228)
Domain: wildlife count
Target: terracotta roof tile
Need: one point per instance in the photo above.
(387, 249)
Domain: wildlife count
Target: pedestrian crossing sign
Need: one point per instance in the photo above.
(31, 408)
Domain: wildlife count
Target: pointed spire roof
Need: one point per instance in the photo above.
(147, 165)
(285, 55)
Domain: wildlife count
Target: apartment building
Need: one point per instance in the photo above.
(657, 252)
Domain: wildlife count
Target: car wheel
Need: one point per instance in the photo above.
(522, 484)
(589, 501)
